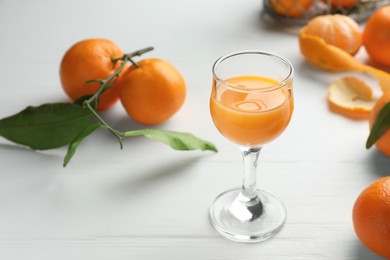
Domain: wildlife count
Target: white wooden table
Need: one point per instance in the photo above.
(148, 201)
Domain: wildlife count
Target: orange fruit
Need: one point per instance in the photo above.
(337, 30)
(376, 36)
(89, 60)
(316, 51)
(153, 92)
(351, 97)
(291, 8)
(341, 3)
(383, 143)
(371, 217)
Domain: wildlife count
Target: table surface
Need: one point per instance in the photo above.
(148, 201)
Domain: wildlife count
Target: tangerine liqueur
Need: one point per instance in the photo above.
(248, 112)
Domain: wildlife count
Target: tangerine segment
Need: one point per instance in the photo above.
(371, 217)
(90, 59)
(351, 97)
(323, 55)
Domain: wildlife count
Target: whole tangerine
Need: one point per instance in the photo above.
(86, 60)
(337, 30)
(383, 143)
(291, 8)
(371, 217)
(376, 36)
(152, 92)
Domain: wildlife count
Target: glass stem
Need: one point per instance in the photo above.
(250, 156)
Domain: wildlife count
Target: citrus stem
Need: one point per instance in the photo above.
(104, 82)
(103, 123)
(134, 53)
(107, 84)
(134, 63)
(140, 52)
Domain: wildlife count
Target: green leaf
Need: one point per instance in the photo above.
(381, 125)
(77, 140)
(47, 126)
(176, 140)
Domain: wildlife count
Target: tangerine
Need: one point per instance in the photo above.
(341, 3)
(371, 217)
(152, 92)
(376, 36)
(291, 8)
(337, 30)
(383, 143)
(90, 59)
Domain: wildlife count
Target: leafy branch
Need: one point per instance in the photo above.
(54, 125)
(105, 85)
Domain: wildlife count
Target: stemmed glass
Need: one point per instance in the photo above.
(251, 104)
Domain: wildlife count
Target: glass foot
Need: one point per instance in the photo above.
(247, 221)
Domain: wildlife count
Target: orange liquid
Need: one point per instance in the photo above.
(251, 119)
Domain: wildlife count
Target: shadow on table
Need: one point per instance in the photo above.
(19, 150)
(379, 164)
(321, 77)
(151, 177)
(363, 253)
(125, 123)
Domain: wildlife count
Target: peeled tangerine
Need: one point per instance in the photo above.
(351, 97)
(337, 30)
(326, 56)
